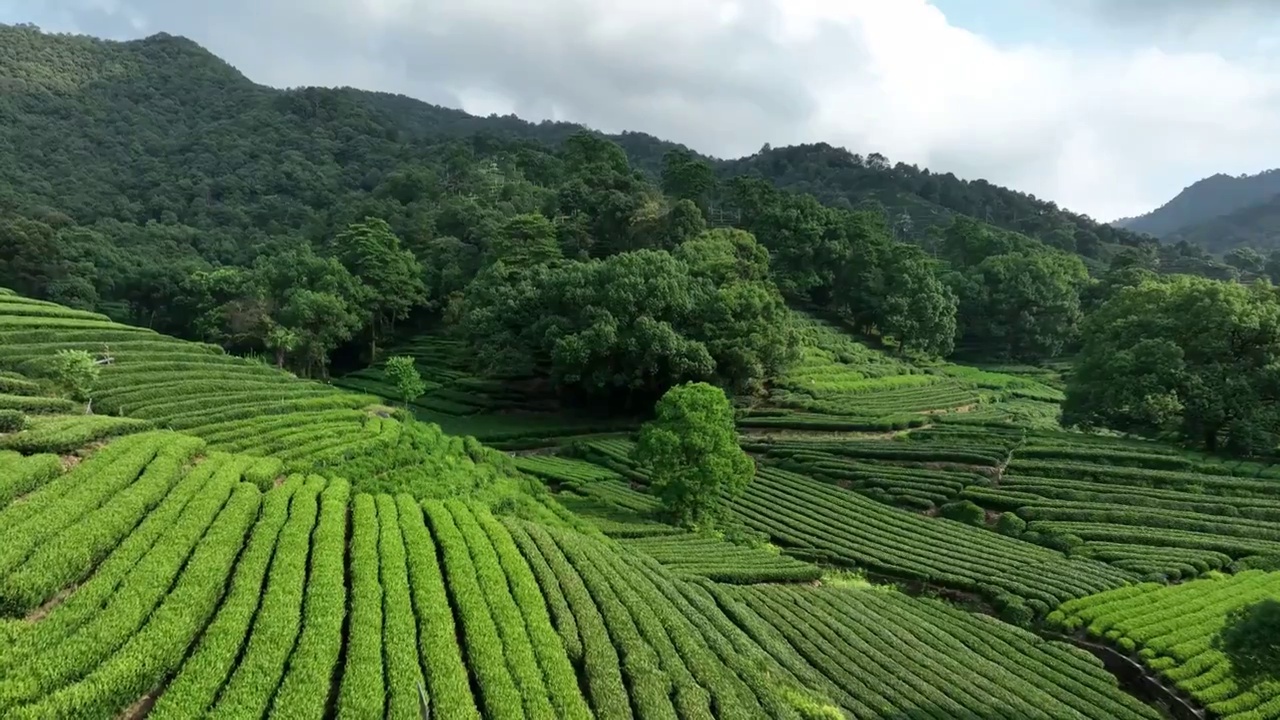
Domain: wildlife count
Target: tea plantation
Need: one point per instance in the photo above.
(210, 536)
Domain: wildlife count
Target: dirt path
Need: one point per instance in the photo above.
(789, 434)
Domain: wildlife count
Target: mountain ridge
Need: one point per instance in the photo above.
(837, 176)
(1218, 212)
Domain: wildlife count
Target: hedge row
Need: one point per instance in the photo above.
(362, 694)
(248, 692)
(192, 692)
(154, 651)
(143, 590)
(85, 538)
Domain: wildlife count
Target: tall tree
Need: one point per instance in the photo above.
(1251, 641)
(392, 278)
(685, 176)
(1023, 305)
(690, 450)
(917, 310)
(525, 240)
(1189, 355)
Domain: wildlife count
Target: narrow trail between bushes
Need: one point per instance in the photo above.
(1136, 679)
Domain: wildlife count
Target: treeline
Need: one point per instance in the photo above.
(151, 181)
(1184, 357)
(568, 262)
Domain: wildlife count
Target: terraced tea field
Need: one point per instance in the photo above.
(842, 385)
(212, 537)
(1171, 627)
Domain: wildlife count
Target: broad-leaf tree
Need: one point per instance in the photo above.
(1022, 305)
(1251, 641)
(390, 276)
(1189, 355)
(77, 372)
(690, 451)
(917, 309)
(402, 371)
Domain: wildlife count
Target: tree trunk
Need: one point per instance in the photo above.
(280, 358)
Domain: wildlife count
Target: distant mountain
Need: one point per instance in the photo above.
(1255, 226)
(1205, 204)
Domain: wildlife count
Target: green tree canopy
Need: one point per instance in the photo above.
(390, 277)
(402, 371)
(1022, 305)
(1191, 355)
(77, 372)
(917, 310)
(628, 327)
(1251, 641)
(690, 450)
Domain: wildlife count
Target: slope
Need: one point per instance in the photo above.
(117, 135)
(235, 405)
(1203, 201)
(1255, 226)
(202, 572)
(916, 198)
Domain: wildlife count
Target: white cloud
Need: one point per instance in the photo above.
(1111, 129)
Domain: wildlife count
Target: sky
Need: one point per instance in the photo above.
(1107, 107)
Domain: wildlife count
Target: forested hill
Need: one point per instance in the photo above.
(1204, 201)
(1244, 236)
(193, 134)
(153, 182)
(1237, 218)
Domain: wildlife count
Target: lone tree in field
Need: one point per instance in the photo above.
(1251, 641)
(403, 373)
(76, 372)
(691, 453)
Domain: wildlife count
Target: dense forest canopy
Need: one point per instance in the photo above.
(152, 181)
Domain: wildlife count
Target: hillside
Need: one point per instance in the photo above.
(161, 130)
(1253, 227)
(151, 526)
(118, 551)
(1205, 201)
(333, 404)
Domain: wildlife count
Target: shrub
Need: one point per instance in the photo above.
(1269, 563)
(964, 511)
(12, 421)
(1062, 543)
(1016, 612)
(1010, 524)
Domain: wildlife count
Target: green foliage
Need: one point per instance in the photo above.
(76, 371)
(632, 325)
(390, 277)
(686, 177)
(1188, 355)
(691, 454)
(12, 421)
(1174, 629)
(1010, 524)
(402, 371)
(524, 240)
(917, 310)
(1018, 300)
(1251, 641)
(964, 511)
(362, 692)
